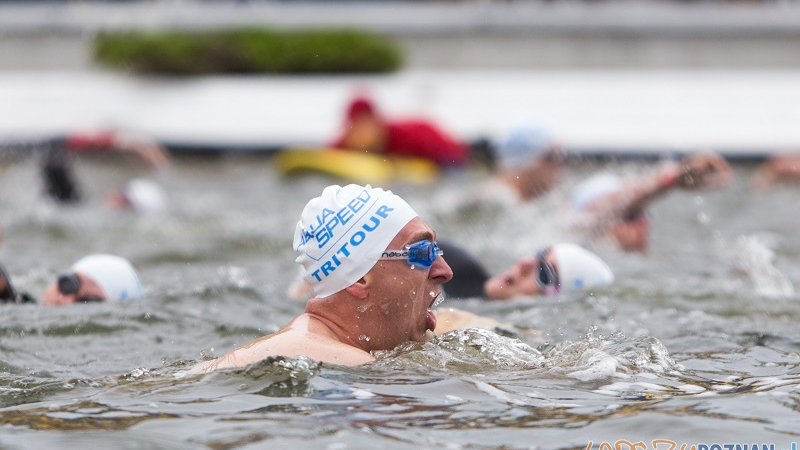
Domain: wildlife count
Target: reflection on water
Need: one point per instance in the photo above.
(695, 342)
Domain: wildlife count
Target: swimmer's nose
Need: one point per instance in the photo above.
(441, 271)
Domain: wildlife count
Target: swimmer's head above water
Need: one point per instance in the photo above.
(555, 269)
(139, 195)
(95, 278)
(375, 271)
(343, 232)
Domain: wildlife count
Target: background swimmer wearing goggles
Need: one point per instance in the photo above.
(555, 269)
(94, 278)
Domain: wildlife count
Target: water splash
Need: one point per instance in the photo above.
(275, 376)
(136, 374)
(597, 357)
(755, 260)
(467, 351)
(235, 276)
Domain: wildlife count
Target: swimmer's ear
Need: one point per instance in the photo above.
(359, 289)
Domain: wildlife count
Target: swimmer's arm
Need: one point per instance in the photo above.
(634, 195)
(88, 142)
(143, 147)
(701, 171)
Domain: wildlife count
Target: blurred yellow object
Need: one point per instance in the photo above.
(355, 167)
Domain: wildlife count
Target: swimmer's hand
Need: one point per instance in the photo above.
(776, 169)
(703, 171)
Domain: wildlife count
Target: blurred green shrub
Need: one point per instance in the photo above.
(248, 51)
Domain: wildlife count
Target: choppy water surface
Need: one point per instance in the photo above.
(695, 343)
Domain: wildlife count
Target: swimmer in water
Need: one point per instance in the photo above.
(59, 153)
(609, 206)
(558, 268)
(93, 278)
(375, 271)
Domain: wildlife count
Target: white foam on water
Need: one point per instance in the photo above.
(598, 365)
(757, 260)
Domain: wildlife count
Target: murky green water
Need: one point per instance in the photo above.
(695, 343)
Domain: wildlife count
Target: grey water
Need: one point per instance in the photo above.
(695, 343)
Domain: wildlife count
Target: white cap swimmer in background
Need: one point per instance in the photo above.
(520, 144)
(145, 196)
(140, 195)
(579, 268)
(115, 276)
(342, 233)
(593, 189)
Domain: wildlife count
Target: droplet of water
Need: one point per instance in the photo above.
(363, 337)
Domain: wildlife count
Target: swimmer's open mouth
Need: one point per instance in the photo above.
(431, 317)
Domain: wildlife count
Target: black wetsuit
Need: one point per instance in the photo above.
(469, 274)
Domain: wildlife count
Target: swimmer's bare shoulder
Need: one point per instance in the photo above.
(303, 336)
(450, 319)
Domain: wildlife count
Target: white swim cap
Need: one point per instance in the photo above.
(115, 276)
(579, 268)
(145, 196)
(342, 233)
(522, 143)
(593, 189)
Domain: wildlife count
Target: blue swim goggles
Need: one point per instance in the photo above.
(420, 254)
